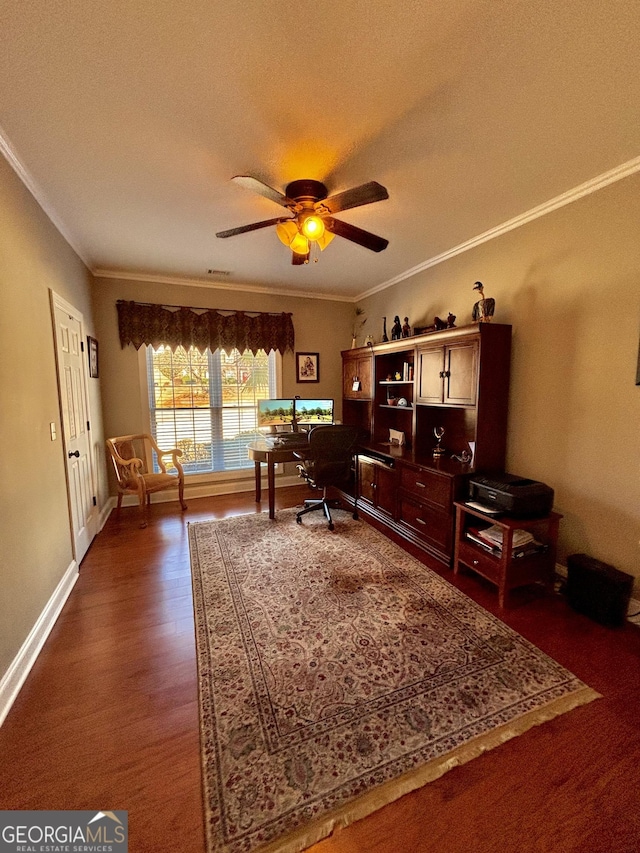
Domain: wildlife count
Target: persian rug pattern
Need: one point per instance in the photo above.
(337, 672)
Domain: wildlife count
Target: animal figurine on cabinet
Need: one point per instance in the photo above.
(484, 308)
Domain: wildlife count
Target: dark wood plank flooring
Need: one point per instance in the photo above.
(108, 717)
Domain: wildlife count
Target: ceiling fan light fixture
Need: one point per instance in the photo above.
(324, 241)
(299, 245)
(312, 227)
(287, 231)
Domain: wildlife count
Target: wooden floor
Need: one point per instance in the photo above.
(108, 718)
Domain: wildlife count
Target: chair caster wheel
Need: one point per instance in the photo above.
(298, 520)
(331, 527)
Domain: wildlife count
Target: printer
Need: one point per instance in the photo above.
(511, 495)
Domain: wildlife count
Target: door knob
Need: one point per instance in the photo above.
(76, 454)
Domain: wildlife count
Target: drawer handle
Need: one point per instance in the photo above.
(420, 485)
(476, 562)
(420, 521)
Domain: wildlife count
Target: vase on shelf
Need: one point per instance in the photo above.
(354, 342)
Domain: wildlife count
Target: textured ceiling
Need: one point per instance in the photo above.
(130, 118)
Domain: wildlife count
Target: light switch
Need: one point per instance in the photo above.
(52, 428)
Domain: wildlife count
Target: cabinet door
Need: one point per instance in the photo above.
(377, 484)
(386, 489)
(429, 375)
(357, 369)
(461, 375)
(366, 480)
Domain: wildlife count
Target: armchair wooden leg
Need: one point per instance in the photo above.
(181, 494)
(142, 497)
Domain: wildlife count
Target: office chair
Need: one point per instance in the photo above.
(326, 461)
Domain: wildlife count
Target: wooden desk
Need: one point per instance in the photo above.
(261, 452)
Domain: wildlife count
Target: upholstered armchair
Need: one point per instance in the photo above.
(129, 454)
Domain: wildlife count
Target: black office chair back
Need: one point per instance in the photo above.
(328, 456)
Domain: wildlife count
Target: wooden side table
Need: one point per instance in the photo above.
(503, 568)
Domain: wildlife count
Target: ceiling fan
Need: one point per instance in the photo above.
(312, 221)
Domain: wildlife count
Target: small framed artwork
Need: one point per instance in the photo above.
(307, 367)
(92, 346)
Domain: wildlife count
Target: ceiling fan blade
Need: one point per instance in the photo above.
(355, 197)
(297, 260)
(356, 235)
(253, 227)
(257, 186)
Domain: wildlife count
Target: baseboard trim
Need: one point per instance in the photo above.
(16, 675)
(208, 490)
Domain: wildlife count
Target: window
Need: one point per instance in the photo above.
(206, 403)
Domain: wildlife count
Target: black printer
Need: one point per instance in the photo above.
(511, 495)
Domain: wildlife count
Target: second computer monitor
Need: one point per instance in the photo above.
(313, 412)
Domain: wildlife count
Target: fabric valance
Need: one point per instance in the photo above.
(169, 325)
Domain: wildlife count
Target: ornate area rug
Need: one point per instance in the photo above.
(337, 673)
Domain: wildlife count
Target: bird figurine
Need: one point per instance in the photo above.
(484, 308)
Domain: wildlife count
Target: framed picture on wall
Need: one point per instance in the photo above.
(307, 367)
(92, 347)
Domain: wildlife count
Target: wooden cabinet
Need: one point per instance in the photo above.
(448, 375)
(377, 485)
(425, 500)
(357, 375)
(456, 380)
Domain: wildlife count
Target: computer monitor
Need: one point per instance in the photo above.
(275, 413)
(313, 412)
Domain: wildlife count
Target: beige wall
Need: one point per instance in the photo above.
(569, 283)
(321, 326)
(35, 534)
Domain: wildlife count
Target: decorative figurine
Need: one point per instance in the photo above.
(484, 308)
(396, 332)
(439, 324)
(451, 321)
(406, 329)
(384, 330)
(439, 433)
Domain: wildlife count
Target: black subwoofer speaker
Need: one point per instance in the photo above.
(598, 590)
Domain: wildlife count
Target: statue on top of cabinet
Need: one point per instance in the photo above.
(484, 308)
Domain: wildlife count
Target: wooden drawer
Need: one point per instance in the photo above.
(429, 523)
(480, 561)
(427, 486)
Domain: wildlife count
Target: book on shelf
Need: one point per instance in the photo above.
(491, 539)
(407, 372)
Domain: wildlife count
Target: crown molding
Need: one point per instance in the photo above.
(591, 186)
(215, 285)
(9, 153)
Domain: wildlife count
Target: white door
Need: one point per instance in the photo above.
(74, 406)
